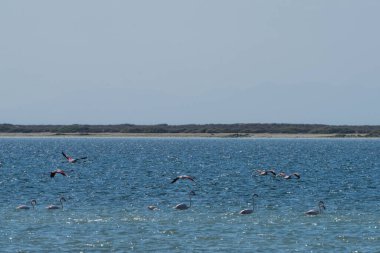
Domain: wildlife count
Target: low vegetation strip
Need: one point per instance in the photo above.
(240, 129)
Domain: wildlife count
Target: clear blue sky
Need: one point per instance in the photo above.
(179, 62)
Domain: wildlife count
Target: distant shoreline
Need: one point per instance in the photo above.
(185, 135)
(249, 130)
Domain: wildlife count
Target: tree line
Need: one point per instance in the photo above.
(249, 128)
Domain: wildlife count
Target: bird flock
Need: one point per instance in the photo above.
(281, 174)
(62, 199)
(191, 193)
(271, 172)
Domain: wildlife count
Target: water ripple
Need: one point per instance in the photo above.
(108, 195)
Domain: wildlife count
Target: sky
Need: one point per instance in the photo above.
(190, 62)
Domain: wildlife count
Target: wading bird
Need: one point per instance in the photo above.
(183, 206)
(59, 171)
(50, 207)
(248, 211)
(153, 208)
(183, 177)
(33, 202)
(321, 206)
(72, 160)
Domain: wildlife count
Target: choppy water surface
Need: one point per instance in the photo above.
(108, 194)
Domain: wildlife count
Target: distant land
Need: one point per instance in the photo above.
(206, 130)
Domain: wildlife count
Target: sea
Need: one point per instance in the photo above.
(108, 194)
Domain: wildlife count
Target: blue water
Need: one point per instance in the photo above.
(108, 194)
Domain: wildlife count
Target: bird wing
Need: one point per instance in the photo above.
(61, 172)
(52, 174)
(85, 157)
(174, 180)
(65, 155)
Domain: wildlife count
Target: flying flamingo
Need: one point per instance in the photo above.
(72, 160)
(183, 206)
(249, 211)
(59, 171)
(282, 174)
(51, 207)
(33, 202)
(315, 211)
(262, 172)
(265, 172)
(183, 177)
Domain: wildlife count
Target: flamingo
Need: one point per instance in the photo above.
(72, 160)
(282, 174)
(183, 177)
(50, 207)
(183, 206)
(249, 211)
(59, 171)
(33, 202)
(265, 172)
(262, 172)
(152, 208)
(321, 206)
